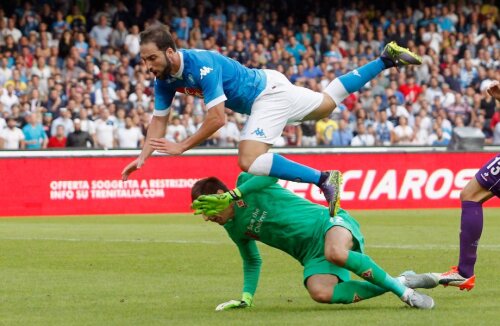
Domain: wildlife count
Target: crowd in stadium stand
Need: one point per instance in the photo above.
(71, 74)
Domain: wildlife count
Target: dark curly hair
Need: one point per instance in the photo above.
(159, 35)
(207, 186)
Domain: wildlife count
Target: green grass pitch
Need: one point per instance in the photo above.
(174, 270)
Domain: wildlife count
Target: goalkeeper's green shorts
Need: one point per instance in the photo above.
(318, 264)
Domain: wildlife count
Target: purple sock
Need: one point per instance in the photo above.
(471, 227)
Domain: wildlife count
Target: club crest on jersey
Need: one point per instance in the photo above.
(367, 274)
(205, 71)
(356, 298)
(240, 203)
(190, 79)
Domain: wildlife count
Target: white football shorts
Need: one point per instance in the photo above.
(280, 103)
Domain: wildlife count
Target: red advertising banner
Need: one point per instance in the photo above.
(92, 185)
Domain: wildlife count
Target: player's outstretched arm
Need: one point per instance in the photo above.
(214, 120)
(494, 89)
(252, 263)
(210, 205)
(157, 128)
(249, 183)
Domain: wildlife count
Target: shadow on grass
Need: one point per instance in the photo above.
(338, 308)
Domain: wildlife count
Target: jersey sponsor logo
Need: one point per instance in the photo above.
(355, 72)
(255, 225)
(190, 91)
(205, 71)
(259, 132)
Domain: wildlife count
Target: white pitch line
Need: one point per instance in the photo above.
(414, 247)
(493, 247)
(114, 240)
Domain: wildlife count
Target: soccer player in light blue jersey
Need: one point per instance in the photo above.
(266, 96)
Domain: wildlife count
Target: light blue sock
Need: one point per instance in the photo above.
(289, 170)
(354, 80)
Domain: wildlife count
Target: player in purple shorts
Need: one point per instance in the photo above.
(488, 176)
(485, 185)
(478, 190)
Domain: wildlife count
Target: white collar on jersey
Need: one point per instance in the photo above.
(178, 74)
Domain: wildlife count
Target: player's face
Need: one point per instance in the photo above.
(157, 61)
(220, 218)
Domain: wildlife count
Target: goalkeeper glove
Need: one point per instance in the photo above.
(245, 302)
(209, 205)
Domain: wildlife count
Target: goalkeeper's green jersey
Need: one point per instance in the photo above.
(278, 218)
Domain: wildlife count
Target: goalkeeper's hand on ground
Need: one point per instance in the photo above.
(245, 302)
(209, 205)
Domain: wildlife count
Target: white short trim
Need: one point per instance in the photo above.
(161, 113)
(216, 101)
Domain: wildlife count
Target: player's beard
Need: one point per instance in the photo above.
(167, 70)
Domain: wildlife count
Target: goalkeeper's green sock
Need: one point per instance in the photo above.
(363, 266)
(354, 291)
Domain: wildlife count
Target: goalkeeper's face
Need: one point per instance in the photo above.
(222, 217)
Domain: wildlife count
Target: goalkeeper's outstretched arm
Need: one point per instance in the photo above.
(252, 263)
(251, 273)
(210, 205)
(252, 183)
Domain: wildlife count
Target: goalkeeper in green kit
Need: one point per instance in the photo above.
(328, 247)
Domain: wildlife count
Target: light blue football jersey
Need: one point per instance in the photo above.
(213, 77)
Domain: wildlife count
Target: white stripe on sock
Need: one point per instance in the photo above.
(337, 91)
(262, 164)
